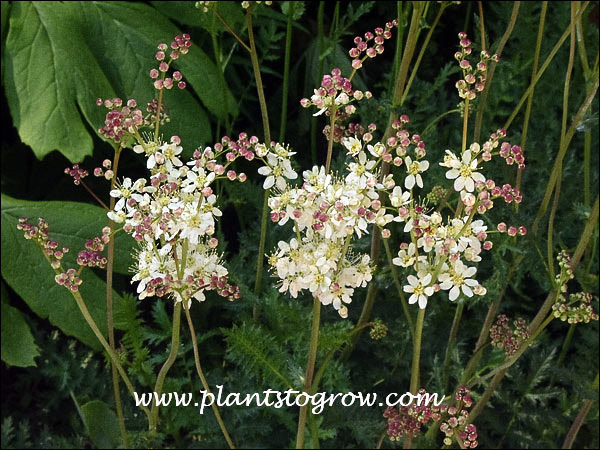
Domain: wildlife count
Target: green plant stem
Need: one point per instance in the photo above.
(583, 412)
(409, 319)
(310, 368)
(536, 60)
(561, 154)
(437, 119)
(93, 194)
(416, 359)
(111, 353)
(492, 69)
(330, 141)
(481, 25)
(203, 378)
(565, 346)
(313, 119)
(399, 84)
(267, 132)
(543, 68)
(451, 340)
(286, 71)
(109, 304)
(162, 374)
(314, 431)
(422, 52)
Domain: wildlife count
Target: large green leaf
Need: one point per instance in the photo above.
(18, 345)
(61, 56)
(102, 424)
(26, 270)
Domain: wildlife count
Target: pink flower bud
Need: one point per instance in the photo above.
(501, 227)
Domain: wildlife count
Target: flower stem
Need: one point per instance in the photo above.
(583, 412)
(267, 132)
(492, 69)
(160, 379)
(111, 353)
(286, 71)
(451, 341)
(100, 202)
(310, 369)
(203, 378)
(409, 319)
(109, 304)
(414, 373)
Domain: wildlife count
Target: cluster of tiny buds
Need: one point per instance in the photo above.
(566, 270)
(407, 420)
(506, 338)
(180, 46)
(437, 195)
(69, 279)
(473, 80)
(456, 425)
(120, 120)
(376, 48)
(39, 234)
(101, 172)
(247, 5)
(576, 310)
(512, 154)
(92, 256)
(378, 330)
(77, 173)
(512, 230)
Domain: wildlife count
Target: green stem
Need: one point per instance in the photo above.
(545, 65)
(414, 372)
(481, 25)
(583, 412)
(536, 60)
(203, 378)
(109, 304)
(565, 346)
(286, 70)
(437, 119)
(313, 119)
(267, 132)
(314, 431)
(492, 69)
(451, 341)
(409, 319)
(310, 369)
(160, 379)
(111, 353)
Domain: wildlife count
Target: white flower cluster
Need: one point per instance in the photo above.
(173, 219)
(327, 211)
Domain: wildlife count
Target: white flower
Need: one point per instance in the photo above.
(458, 278)
(464, 172)
(414, 170)
(406, 257)
(399, 198)
(275, 171)
(419, 288)
(353, 145)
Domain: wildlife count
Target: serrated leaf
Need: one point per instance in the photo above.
(102, 424)
(18, 345)
(26, 270)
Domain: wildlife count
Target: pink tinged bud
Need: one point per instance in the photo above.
(385, 233)
(163, 67)
(522, 231)
(305, 103)
(177, 76)
(354, 53)
(207, 191)
(168, 83)
(181, 85)
(174, 55)
(274, 217)
(231, 175)
(512, 231)
(361, 211)
(487, 245)
(387, 157)
(98, 172)
(350, 109)
(158, 84)
(376, 205)
(109, 174)
(371, 52)
(397, 161)
(501, 227)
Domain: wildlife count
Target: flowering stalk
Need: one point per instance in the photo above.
(203, 378)
(583, 412)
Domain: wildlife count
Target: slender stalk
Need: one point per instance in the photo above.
(451, 340)
(399, 85)
(414, 373)
(314, 431)
(111, 353)
(492, 69)
(233, 33)
(465, 127)
(286, 71)
(310, 368)
(100, 202)
(481, 25)
(109, 304)
(160, 379)
(583, 412)
(536, 60)
(313, 120)
(330, 142)
(565, 346)
(267, 132)
(203, 378)
(543, 68)
(409, 319)
(422, 52)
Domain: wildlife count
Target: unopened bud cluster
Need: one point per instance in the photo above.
(578, 308)
(473, 80)
(455, 427)
(408, 420)
(509, 338)
(371, 45)
(378, 330)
